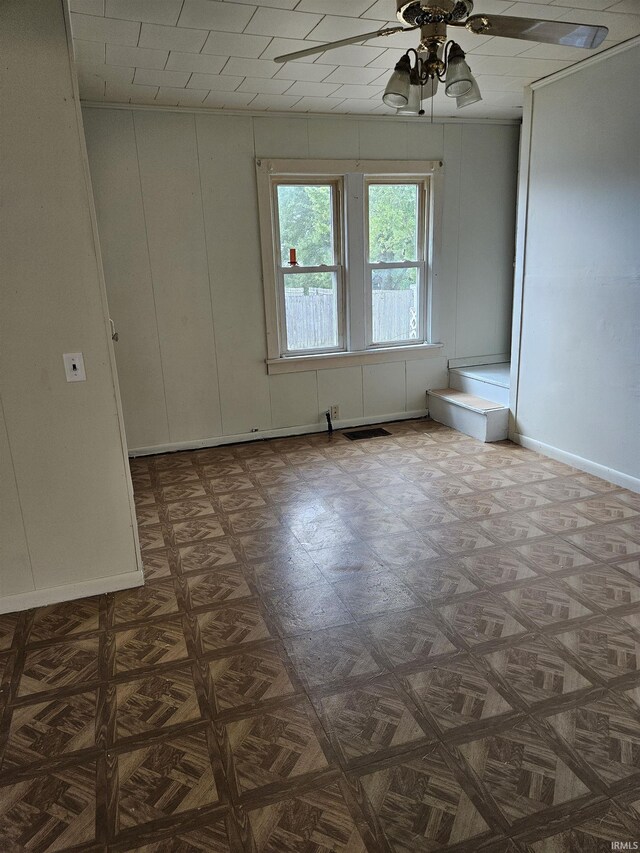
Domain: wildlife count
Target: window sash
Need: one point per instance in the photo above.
(337, 267)
(423, 184)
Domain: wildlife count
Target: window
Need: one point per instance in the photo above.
(347, 256)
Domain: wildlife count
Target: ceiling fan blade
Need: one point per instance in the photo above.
(550, 32)
(320, 48)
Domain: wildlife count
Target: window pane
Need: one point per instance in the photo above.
(394, 305)
(306, 224)
(393, 223)
(311, 309)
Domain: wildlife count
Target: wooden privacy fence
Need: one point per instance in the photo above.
(312, 318)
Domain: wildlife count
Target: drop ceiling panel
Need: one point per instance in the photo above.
(219, 53)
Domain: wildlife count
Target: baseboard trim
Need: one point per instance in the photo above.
(305, 429)
(70, 591)
(602, 471)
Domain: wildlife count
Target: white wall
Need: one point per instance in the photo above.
(177, 210)
(66, 526)
(578, 393)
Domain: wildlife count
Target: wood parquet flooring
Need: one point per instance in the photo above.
(418, 643)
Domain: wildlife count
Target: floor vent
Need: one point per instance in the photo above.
(365, 433)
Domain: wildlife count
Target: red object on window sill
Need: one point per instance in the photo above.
(293, 261)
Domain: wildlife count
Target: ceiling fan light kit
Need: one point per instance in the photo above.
(437, 59)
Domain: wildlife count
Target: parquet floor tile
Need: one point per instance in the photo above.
(411, 644)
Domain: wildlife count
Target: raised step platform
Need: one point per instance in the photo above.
(480, 418)
(489, 381)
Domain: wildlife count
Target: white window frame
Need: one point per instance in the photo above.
(351, 177)
(423, 182)
(337, 267)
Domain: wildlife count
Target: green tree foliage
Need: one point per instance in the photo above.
(305, 216)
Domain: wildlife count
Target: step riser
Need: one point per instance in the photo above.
(485, 426)
(486, 390)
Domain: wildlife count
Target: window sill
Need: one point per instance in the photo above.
(325, 361)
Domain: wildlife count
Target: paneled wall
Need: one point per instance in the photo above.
(67, 526)
(578, 388)
(177, 211)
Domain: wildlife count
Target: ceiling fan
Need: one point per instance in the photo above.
(438, 60)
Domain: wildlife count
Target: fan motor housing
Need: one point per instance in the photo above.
(417, 13)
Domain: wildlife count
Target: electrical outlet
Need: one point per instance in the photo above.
(74, 366)
(334, 412)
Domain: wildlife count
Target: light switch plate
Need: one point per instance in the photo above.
(74, 366)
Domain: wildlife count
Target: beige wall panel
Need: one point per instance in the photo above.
(15, 563)
(294, 399)
(65, 438)
(342, 387)
(228, 178)
(281, 137)
(421, 377)
(384, 388)
(170, 177)
(111, 144)
(485, 278)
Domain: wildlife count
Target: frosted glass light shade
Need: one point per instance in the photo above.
(397, 92)
(459, 77)
(413, 105)
(472, 96)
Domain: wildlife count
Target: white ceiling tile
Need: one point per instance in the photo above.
(533, 10)
(556, 51)
(250, 67)
(140, 57)
(172, 38)
(121, 93)
(212, 15)
(104, 72)
(235, 44)
(492, 7)
(184, 97)
(629, 7)
(264, 86)
(92, 52)
(597, 5)
(354, 105)
(516, 66)
(501, 47)
(204, 64)
(386, 60)
(87, 7)
(352, 74)
(620, 26)
(230, 100)
(109, 30)
(352, 8)
(332, 28)
(316, 105)
(304, 71)
(381, 10)
(217, 82)
(91, 89)
(352, 55)
(274, 102)
(272, 4)
(496, 83)
(306, 87)
(358, 92)
(154, 77)
(273, 22)
(150, 11)
(279, 47)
